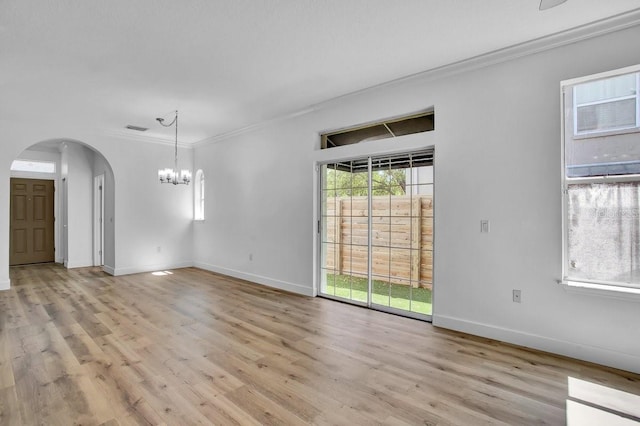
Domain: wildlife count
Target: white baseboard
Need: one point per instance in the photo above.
(109, 269)
(71, 265)
(259, 279)
(579, 351)
(146, 268)
(5, 284)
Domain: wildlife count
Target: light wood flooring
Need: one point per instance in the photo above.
(192, 347)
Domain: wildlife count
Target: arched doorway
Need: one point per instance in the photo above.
(83, 202)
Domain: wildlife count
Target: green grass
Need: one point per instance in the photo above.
(384, 293)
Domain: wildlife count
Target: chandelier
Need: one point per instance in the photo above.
(173, 175)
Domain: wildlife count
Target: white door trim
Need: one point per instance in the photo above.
(98, 220)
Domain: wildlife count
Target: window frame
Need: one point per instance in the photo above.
(198, 196)
(369, 162)
(30, 166)
(381, 129)
(589, 285)
(605, 132)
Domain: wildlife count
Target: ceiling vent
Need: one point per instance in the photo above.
(394, 127)
(136, 128)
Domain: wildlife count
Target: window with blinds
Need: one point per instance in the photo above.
(606, 105)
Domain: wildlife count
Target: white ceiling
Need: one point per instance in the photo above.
(230, 64)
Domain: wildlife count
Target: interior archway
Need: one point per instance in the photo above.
(84, 201)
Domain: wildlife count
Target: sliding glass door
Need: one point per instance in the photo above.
(376, 232)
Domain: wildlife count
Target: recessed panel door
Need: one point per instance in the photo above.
(31, 221)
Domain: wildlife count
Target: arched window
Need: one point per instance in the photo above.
(199, 196)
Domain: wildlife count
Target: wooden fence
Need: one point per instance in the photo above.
(402, 238)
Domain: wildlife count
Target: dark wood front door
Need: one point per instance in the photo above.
(31, 239)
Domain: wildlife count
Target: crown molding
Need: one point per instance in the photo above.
(574, 35)
(549, 42)
(247, 129)
(147, 139)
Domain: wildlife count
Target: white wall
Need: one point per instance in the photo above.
(153, 221)
(258, 202)
(78, 163)
(497, 142)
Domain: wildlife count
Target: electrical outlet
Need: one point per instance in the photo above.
(517, 296)
(159, 248)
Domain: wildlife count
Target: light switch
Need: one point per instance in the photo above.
(484, 225)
